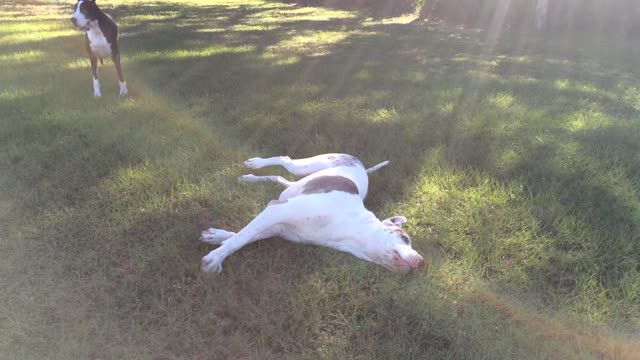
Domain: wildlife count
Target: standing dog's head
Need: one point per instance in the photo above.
(393, 247)
(84, 13)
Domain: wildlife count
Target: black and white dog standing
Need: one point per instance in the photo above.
(102, 40)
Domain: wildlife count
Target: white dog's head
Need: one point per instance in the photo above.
(392, 249)
(84, 13)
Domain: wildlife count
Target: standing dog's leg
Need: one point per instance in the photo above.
(94, 71)
(276, 179)
(116, 61)
(264, 225)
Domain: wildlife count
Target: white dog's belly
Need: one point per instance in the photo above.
(311, 230)
(321, 231)
(316, 220)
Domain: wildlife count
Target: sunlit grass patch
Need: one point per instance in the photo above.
(187, 53)
(632, 96)
(561, 83)
(401, 20)
(79, 63)
(32, 26)
(35, 36)
(585, 88)
(588, 119)
(212, 30)
(133, 19)
(312, 43)
(248, 27)
(502, 100)
(475, 60)
(284, 16)
(10, 14)
(41, 14)
(276, 58)
(22, 57)
(518, 59)
(510, 158)
(483, 223)
(384, 115)
(446, 107)
(14, 94)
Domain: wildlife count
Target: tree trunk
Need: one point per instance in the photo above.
(427, 9)
(542, 9)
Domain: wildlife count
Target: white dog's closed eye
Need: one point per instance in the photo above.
(324, 208)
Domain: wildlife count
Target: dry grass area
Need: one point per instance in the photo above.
(514, 157)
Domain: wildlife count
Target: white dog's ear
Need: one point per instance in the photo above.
(395, 220)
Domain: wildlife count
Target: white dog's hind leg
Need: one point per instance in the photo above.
(276, 179)
(257, 163)
(306, 166)
(297, 167)
(264, 225)
(215, 236)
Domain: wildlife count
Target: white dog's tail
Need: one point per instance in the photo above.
(377, 167)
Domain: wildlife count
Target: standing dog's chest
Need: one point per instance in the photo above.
(98, 42)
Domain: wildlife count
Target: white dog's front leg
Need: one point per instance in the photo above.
(264, 225)
(276, 179)
(215, 236)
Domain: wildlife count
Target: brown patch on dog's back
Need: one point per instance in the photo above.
(325, 184)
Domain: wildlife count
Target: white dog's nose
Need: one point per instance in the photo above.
(417, 263)
(410, 261)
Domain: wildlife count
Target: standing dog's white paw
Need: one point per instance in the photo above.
(212, 262)
(96, 88)
(123, 89)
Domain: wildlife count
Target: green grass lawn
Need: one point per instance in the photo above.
(516, 159)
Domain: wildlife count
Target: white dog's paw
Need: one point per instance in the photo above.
(215, 236)
(250, 178)
(254, 163)
(212, 262)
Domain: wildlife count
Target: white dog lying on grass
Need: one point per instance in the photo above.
(324, 208)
